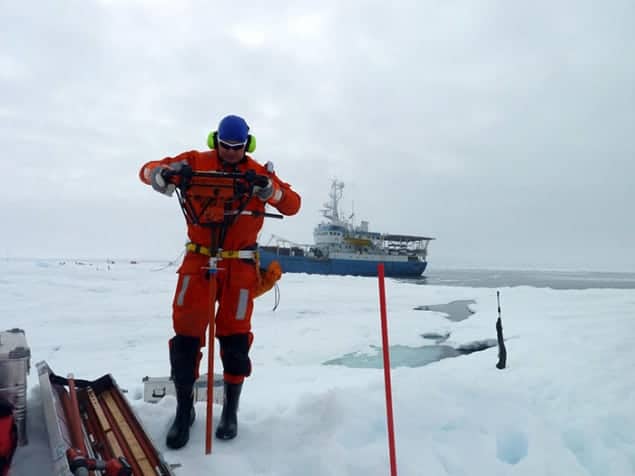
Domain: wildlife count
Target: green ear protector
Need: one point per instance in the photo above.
(212, 141)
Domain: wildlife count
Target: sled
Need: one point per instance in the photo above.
(108, 431)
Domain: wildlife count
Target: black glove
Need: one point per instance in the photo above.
(264, 189)
(160, 178)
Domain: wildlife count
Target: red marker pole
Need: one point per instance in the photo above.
(386, 351)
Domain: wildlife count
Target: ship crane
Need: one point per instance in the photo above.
(282, 241)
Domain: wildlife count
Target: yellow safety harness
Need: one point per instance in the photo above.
(267, 278)
(222, 254)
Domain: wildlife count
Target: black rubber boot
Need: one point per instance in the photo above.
(228, 425)
(179, 432)
(184, 355)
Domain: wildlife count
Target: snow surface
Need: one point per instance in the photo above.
(564, 406)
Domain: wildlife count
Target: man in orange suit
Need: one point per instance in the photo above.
(237, 276)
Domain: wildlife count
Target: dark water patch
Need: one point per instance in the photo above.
(455, 310)
(477, 346)
(406, 356)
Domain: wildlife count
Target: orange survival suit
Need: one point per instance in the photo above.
(236, 278)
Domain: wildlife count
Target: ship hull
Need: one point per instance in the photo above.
(342, 266)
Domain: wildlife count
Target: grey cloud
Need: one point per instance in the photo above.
(505, 130)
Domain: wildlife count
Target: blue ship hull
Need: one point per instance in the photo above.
(342, 267)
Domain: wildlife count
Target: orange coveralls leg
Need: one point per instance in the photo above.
(236, 282)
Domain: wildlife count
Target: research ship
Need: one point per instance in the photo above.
(341, 248)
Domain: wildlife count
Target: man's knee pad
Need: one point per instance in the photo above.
(234, 352)
(184, 359)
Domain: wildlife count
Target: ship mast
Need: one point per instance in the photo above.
(331, 208)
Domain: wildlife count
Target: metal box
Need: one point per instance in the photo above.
(15, 361)
(155, 388)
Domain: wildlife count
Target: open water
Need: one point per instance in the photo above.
(483, 278)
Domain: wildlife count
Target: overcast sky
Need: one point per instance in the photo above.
(504, 129)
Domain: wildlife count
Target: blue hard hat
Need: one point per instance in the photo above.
(233, 129)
